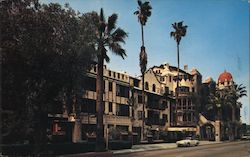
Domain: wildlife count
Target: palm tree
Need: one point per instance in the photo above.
(180, 31)
(216, 101)
(235, 92)
(143, 12)
(108, 37)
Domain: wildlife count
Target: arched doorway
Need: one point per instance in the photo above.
(207, 132)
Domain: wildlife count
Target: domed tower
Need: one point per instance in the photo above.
(225, 79)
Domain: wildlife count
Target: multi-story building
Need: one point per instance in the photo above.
(230, 114)
(183, 116)
(116, 98)
(219, 121)
(123, 105)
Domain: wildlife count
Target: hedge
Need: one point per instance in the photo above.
(119, 144)
(59, 148)
(48, 149)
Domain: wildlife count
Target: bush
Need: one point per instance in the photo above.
(119, 144)
(48, 149)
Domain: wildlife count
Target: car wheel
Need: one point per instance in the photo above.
(188, 144)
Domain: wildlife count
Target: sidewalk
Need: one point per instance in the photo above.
(135, 148)
(146, 147)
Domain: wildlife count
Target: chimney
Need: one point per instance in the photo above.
(167, 65)
(186, 68)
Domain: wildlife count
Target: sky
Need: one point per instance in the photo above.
(217, 36)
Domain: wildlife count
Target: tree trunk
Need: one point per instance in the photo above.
(99, 105)
(143, 93)
(143, 109)
(177, 87)
(142, 35)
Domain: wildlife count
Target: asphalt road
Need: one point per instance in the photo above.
(228, 149)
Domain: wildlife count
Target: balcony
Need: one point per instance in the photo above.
(150, 121)
(186, 123)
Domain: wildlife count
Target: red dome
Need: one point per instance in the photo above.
(226, 76)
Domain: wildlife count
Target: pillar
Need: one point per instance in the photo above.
(217, 130)
(77, 131)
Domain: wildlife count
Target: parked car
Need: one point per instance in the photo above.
(189, 141)
(245, 137)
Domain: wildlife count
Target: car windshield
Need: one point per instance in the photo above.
(188, 138)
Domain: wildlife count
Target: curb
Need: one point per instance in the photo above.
(125, 151)
(91, 154)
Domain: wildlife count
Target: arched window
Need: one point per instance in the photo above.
(146, 85)
(153, 88)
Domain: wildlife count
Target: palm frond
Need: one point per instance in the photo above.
(102, 19)
(116, 49)
(112, 22)
(106, 58)
(139, 2)
(172, 34)
(119, 35)
(144, 12)
(136, 12)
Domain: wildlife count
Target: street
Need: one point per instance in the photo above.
(229, 149)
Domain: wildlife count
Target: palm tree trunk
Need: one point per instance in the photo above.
(143, 93)
(99, 105)
(177, 91)
(143, 109)
(142, 35)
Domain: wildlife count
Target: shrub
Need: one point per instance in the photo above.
(119, 144)
(48, 149)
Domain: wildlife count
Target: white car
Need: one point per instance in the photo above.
(245, 137)
(189, 141)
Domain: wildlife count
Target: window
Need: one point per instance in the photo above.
(110, 86)
(189, 117)
(166, 90)
(153, 88)
(170, 78)
(94, 68)
(110, 107)
(165, 117)
(136, 83)
(122, 110)
(122, 76)
(89, 84)
(122, 91)
(109, 73)
(193, 89)
(184, 117)
(184, 103)
(139, 98)
(139, 115)
(189, 102)
(118, 75)
(146, 86)
(88, 106)
(114, 74)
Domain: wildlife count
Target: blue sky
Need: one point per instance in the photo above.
(217, 37)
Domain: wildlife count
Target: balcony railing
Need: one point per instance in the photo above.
(161, 122)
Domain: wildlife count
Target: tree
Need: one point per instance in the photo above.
(108, 36)
(143, 12)
(43, 57)
(180, 31)
(235, 92)
(216, 101)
